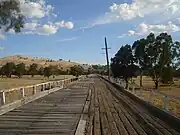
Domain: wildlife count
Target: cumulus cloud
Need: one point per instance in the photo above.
(30, 26)
(46, 29)
(63, 24)
(69, 25)
(11, 31)
(2, 35)
(139, 9)
(37, 22)
(144, 29)
(36, 9)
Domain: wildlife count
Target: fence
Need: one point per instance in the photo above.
(12, 95)
(159, 99)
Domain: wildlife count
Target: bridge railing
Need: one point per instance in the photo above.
(9, 96)
(168, 103)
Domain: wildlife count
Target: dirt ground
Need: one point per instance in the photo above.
(8, 83)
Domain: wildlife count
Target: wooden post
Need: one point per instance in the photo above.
(49, 85)
(2, 98)
(124, 83)
(150, 97)
(128, 88)
(59, 84)
(34, 90)
(43, 87)
(141, 89)
(166, 102)
(64, 84)
(133, 89)
(22, 92)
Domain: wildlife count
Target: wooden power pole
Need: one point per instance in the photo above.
(107, 58)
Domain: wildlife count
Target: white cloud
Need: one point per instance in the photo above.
(36, 9)
(46, 29)
(35, 28)
(11, 31)
(140, 9)
(67, 39)
(63, 24)
(131, 32)
(30, 26)
(2, 35)
(144, 29)
(123, 35)
(69, 25)
(35, 12)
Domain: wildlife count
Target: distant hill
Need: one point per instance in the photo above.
(42, 62)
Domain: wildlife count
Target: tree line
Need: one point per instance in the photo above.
(20, 69)
(154, 56)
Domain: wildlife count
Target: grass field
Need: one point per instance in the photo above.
(174, 89)
(7, 83)
(157, 99)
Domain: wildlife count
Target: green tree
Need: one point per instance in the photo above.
(2, 71)
(8, 69)
(41, 71)
(55, 70)
(122, 65)
(140, 53)
(48, 71)
(163, 55)
(33, 69)
(20, 69)
(177, 73)
(167, 75)
(10, 15)
(76, 70)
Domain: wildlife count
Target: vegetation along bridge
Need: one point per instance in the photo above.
(91, 106)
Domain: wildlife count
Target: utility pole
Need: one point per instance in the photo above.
(107, 58)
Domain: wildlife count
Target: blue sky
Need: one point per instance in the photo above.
(75, 29)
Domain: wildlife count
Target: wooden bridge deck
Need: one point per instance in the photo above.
(89, 107)
(57, 113)
(113, 113)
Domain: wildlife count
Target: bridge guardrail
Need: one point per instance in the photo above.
(9, 96)
(168, 103)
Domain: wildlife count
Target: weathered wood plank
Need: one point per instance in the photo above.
(57, 113)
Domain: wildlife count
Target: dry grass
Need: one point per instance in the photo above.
(170, 90)
(8, 83)
(157, 99)
(42, 62)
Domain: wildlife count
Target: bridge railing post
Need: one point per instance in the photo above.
(140, 92)
(34, 89)
(150, 96)
(2, 98)
(133, 89)
(128, 87)
(166, 103)
(22, 92)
